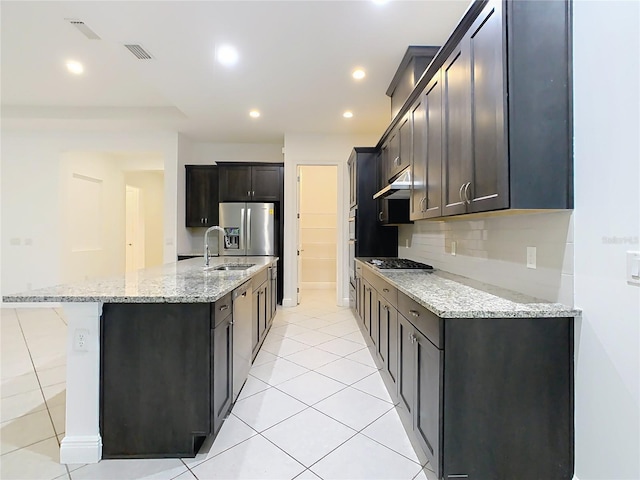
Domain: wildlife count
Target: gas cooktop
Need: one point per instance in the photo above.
(398, 264)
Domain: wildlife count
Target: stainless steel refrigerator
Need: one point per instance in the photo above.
(249, 229)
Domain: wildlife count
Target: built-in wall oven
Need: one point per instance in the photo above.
(352, 256)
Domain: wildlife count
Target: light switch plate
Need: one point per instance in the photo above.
(531, 257)
(633, 268)
(453, 248)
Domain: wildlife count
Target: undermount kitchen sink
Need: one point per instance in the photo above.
(230, 266)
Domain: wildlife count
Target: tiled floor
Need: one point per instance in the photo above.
(314, 406)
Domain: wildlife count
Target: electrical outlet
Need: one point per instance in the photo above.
(453, 248)
(28, 242)
(81, 340)
(531, 257)
(14, 242)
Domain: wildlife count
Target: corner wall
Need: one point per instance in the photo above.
(607, 224)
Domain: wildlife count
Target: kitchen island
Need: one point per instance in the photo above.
(170, 311)
(483, 376)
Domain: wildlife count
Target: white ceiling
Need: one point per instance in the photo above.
(295, 66)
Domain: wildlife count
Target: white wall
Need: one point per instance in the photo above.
(33, 198)
(190, 240)
(494, 250)
(607, 224)
(317, 149)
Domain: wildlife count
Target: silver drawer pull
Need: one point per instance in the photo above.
(415, 313)
(386, 307)
(224, 307)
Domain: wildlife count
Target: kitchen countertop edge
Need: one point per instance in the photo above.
(483, 300)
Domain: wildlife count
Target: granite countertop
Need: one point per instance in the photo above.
(454, 296)
(182, 282)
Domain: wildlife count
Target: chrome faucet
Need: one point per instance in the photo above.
(206, 243)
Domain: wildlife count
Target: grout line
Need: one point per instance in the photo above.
(26, 446)
(44, 399)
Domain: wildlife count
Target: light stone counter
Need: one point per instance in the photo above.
(182, 282)
(453, 296)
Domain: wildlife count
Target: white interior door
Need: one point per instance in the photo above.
(134, 230)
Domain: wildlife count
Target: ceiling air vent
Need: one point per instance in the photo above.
(86, 31)
(139, 52)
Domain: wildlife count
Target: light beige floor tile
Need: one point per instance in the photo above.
(307, 475)
(340, 347)
(373, 385)
(311, 387)
(345, 371)
(363, 356)
(312, 358)
(25, 430)
(264, 357)
(309, 436)
(186, 476)
(289, 330)
(50, 361)
(252, 386)
(55, 395)
(256, 458)
(265, 409)
(58, 414)
(357, 337)
(353, 408)
(314, 323)
(277, 372)
(388, 431)
(343, 327)
(285, 347)
(313, 337)
(52, 376)
(39, 461)
(21, 384)
(233, 432)
(131, 469)
(363, 459)
(21, 404)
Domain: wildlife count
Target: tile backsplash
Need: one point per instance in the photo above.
(494, 250)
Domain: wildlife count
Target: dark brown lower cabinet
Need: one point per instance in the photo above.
(157, 387)
(221, 371)
(481, 398)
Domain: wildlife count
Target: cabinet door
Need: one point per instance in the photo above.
(388, 337)
(406, 144)
(353, 183)
(368, 306)
(393, 156)
(222, 372)
(235, 183)
(418, 163)
(264, 309)
(406, 365)
(456, 84)
(201, 196)
(489, 188)
(428, 397)
(274, 297)
(382, 321)
(266, 183)
(255, 320)
(432, 204)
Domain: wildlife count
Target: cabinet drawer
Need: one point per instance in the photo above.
(259, 279)
(222, 308)
(385, 289)
(429, 324)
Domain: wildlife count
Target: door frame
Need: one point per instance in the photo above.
(134, 213)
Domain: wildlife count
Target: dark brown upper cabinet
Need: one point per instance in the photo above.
(250, 183)
(201, 195)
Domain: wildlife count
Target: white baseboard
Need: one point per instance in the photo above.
(345, 302)
(289, 302)
(81, 449)
(317, 285)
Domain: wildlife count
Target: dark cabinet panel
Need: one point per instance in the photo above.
(419, 162)
(235, 183)
(222, 371)
(489, 187)
(266, 182)
(392, 157)
(406, 365)
(428, 400)
(387, 347)
(250, 183)
(456, 82)
(201, 195)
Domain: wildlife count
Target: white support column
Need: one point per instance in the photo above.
(82, 442)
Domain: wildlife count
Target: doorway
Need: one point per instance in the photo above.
(317, 200)
(134, 230)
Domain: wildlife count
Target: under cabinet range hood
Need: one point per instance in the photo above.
(399, 188)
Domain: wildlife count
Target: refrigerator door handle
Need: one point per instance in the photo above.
(242, 228)
(248, 229)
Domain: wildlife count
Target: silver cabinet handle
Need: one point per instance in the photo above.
(205, 219)
(253, 193)
(244, 294)
(248, 193)
(380, 216)
(422, 203)
(460, 193)
(231, 322)
(248, 228)
(386, 307)
(224, 307)
(396, 161)
(415, 313)
(385, 290)
(466, 193)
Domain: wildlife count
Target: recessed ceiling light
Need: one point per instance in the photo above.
(227, 55)
(347, 114)
(358, 74)
(254, 113)
(75, 67)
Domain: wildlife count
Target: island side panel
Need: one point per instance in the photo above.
(82, 442)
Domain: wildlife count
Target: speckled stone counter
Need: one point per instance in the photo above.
(453, 296)
(186, 281)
